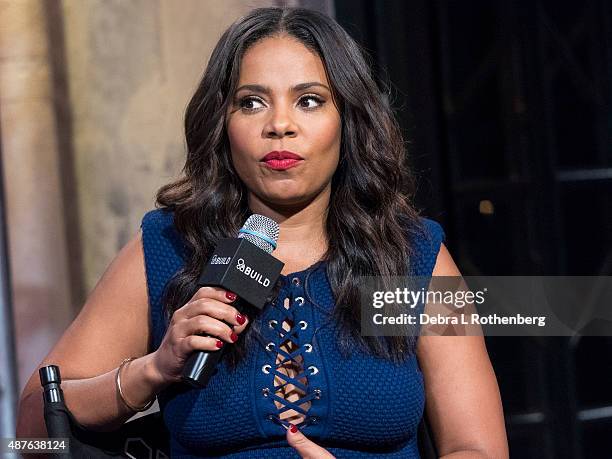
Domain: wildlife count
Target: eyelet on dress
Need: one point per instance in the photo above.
(308, 347)
(313, 370)
(314, 419)
(317, 393)
(295, 281)
(269, 346)
(265, 391)
(303, 324)
(300, 300)
(272, 323)
(266, 368)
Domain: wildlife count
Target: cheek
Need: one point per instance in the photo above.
(238, 135)
(328, 141)
(240, 144)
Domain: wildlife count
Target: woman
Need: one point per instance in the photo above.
(287, 122)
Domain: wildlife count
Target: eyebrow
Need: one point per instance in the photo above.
(266, 89)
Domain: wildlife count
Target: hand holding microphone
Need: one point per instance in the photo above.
(208, 312)
(243, 266)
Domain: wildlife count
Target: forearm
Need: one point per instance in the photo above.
(95, 402)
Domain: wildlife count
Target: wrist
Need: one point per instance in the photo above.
(153, 377)
(135, 408)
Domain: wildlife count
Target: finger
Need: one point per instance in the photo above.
(199, 343)
(205, 325)
(305, 447)
(216, 293)
(213, 293)
(218, 310)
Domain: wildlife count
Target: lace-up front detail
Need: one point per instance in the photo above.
(292, 373)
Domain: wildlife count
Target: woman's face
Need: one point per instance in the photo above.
(283, 103)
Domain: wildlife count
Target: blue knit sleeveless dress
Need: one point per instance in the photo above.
(360, 407)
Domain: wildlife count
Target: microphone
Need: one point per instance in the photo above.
(244, 266)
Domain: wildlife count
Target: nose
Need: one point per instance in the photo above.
(280, 124)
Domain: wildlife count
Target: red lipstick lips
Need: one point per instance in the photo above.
(281, 160)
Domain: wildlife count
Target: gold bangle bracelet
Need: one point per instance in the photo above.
(125, 402)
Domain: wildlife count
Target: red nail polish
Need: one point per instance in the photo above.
(293, 428)
(240, 319)
(219, 344)
(230, 296)
(234, 337)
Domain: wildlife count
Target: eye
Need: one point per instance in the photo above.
(249, 103)
(311, 97)
(249, 100)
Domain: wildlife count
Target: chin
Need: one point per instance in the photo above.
(286, 198)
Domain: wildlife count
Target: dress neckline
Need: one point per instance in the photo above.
(301, 273)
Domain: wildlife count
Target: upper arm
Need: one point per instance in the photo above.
(112, 325)
(463, 403)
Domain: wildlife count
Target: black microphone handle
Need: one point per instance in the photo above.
(201, 365)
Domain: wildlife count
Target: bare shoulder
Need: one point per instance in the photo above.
(463, 401)
(112, 324)
(445, 265)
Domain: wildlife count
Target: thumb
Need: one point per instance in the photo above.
(306, 448)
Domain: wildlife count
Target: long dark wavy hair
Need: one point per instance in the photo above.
(370, 216)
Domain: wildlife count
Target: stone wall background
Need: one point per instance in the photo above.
(132, 67)
(92, 95)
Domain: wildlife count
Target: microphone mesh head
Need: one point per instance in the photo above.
(265, 232)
